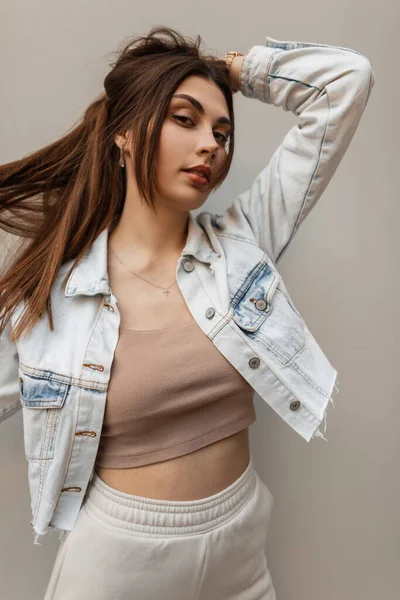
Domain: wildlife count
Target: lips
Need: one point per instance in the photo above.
(196, 172)
(196, 177)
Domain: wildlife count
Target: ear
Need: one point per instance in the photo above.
(126, 139)
(119, 140)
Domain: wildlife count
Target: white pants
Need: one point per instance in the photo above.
(126, 547)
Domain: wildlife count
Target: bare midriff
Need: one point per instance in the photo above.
(193, 476)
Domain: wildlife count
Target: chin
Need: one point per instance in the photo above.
(194, 201)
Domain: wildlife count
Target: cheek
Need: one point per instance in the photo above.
(172, 146)
(171, 134)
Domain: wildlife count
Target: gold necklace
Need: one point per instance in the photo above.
(165, 290)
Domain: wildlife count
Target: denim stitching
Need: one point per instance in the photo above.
(296, 80)
(70, 454)
(236, 236)
(267, 95)
(304, 408)
(247, 282)
(65, 379)
(309, 380)
(313, 174)
(77, 439)
(272, 346)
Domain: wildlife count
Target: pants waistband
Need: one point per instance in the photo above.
(151, 515)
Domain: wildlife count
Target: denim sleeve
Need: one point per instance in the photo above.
(9, 382)
(327, 87)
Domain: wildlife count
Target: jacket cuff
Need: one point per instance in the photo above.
(256, 60)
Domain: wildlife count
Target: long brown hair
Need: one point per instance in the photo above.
(63, 195)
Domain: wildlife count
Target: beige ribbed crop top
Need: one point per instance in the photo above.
(170, 393)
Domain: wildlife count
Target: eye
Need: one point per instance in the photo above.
(224, 139)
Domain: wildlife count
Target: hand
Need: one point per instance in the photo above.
(234, 72)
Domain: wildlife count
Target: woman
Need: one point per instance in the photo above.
(134, 335)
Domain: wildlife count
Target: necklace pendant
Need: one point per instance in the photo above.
(166, 292)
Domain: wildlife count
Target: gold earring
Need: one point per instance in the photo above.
(121, 156)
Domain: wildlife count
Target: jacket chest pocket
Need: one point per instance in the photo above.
(265, 313)
(42, 401)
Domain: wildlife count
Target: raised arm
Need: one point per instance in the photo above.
(327, 87)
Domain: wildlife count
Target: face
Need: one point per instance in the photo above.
(190, 137)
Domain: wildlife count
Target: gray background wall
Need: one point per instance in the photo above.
(335, 531)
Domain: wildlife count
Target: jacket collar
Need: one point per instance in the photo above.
(90, 276)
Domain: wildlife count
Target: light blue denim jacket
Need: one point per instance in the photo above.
(227, 275)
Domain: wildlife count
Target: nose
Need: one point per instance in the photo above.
(208, 148)
(208, 142)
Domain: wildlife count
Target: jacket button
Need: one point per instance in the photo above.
(188, 266)
(94, 367)
(109, 306)
(254, 362)
(261, 304)
(295, 405)
(210, 312)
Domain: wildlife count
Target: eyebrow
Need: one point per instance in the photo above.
(200, 107)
